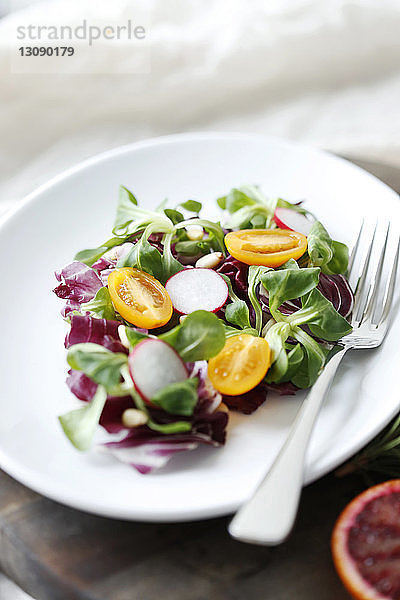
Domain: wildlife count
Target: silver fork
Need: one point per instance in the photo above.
(268, 517)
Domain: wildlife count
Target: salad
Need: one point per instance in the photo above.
(177, 319)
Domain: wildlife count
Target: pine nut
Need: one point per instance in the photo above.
(194, 232)
(182, 318)
(122, 336)
(223, 408)
(209, 261)
(132, 417)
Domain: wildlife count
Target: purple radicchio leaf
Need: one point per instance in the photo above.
(84, 388)
(111, 417)
(237, 273)
(208, 397)
(249, 402)
(146, 450)
(335, 288)
(78, 283)
(143, 448)
(81, 385)
(70, 307)
(98, 331)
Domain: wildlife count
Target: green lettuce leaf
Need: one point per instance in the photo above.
(214, 230)
(237, 311)
(200, 337)
(166, 428)
(192, 206)
(313, 359)
(100, 306)
(91, 255)
(321, 317)
(98, 363)
(250, 208)
(331, 256)
(178, 398)
(288, 283)
(254, 277)
(134, 336)
(130, 218)
(276, 338)
(174, 215)
(145, 257)
(79, 425)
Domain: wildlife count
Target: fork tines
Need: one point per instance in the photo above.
(375, 262)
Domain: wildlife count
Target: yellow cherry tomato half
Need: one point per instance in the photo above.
(139, 298)
(267, 247)
(241, 364)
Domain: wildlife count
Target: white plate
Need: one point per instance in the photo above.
(76, 210)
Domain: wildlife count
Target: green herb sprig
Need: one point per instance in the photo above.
(378, 459)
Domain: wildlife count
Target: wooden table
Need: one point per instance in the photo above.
(57, 553)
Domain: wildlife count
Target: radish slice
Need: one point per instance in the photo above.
(197, 289)
(286, 218)
(153, 364)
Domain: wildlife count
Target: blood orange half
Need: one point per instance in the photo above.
(366, 543)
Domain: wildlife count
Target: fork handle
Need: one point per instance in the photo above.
(268, 517)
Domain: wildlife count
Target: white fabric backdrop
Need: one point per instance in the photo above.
(323, 71)
(326, 72)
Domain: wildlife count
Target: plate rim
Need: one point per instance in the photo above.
(170, 138)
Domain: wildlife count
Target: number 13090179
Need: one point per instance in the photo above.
(46, 50)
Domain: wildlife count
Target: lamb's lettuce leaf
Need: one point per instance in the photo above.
(250, 208)
(100, 306)
(178, 398)
(321, 317)
(340, 260)
(331, 256)
(98, 363)
(91, 255)
(237, 311)
(147, 258)
(214, 230)
(200, 337)
(313, 359)
(165, 428)
(295, 356)
(276, 338)
(192, 206)
(170, 264)
(134, 336)
(174, 215)
(317, 312)
(254, 277)
(195, 247)
(79, 425)
(130, 218)
(288, 283)
(303, 363)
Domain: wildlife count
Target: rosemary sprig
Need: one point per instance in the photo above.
(381, 457)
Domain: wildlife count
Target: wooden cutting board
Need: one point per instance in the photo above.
(57, 553)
